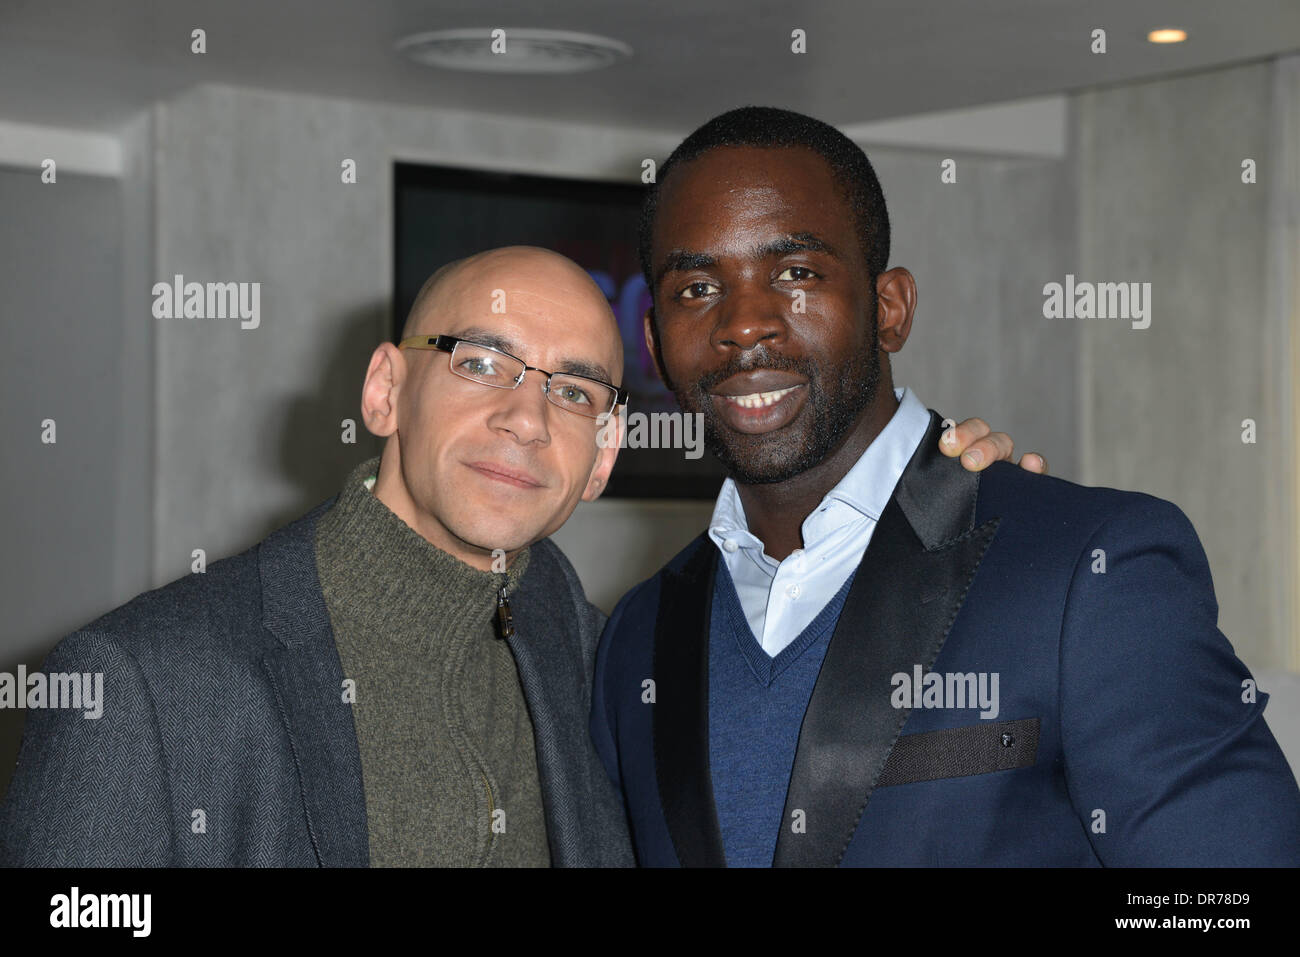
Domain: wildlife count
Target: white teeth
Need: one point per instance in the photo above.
(757, 400)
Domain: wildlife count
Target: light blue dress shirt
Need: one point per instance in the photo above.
(780, 599)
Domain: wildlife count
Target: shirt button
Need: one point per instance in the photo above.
(730, 545)
(793, 591)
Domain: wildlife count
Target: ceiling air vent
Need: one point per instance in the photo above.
(518, 50)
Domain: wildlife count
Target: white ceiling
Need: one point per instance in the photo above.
(90, 64)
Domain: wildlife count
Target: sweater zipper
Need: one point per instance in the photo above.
(505, 628)
(505, 621)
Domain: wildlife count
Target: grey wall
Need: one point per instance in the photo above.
(1161, 200)
(981, 249)
(60, 330)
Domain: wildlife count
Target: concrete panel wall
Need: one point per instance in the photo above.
(1162, 201)
(60, 332)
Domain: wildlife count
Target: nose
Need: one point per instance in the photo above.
(750, 313)
(523, 410)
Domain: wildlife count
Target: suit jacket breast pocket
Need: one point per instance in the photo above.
(960, 752)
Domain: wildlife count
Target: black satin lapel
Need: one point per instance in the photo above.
(681, 715)
(904, 599)
(937, 495)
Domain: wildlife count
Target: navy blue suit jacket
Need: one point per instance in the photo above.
(1128, 732)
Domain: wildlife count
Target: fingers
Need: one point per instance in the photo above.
(977, 446)
(1033, 462)
(958, 438)
(994, 447)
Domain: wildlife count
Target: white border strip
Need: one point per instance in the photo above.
(73, 151)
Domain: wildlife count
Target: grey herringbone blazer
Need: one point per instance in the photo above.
(225, 740)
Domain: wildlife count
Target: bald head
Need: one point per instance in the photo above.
(529, 277)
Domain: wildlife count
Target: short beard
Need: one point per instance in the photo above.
(781, 455)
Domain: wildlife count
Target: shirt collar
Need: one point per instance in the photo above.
(866, 487)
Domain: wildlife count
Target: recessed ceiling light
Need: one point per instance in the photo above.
(517, 50)
(1167, 35)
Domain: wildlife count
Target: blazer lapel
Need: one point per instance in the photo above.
(681, 715)
(908, 590)
(307, 676)
(544, 647)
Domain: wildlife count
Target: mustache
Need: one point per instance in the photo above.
(755, 361)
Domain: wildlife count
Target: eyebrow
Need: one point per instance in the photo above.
(793, 243)
(494, 340)
(684, 260)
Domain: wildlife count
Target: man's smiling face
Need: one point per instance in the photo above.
(780, 378)
(474, 468)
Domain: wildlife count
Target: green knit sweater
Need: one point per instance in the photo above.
(447, 758)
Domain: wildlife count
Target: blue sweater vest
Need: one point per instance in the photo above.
(756, 708)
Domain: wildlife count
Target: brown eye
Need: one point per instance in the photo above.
(804, 270)
(695, 290)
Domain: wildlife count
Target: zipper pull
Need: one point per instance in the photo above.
(505, 621)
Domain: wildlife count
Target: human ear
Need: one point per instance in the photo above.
(652, 345)
(384, 376)
(895, 306)
(608, 441)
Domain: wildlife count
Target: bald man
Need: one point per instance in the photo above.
(400, 677)
(403, 675)
(495, 470)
